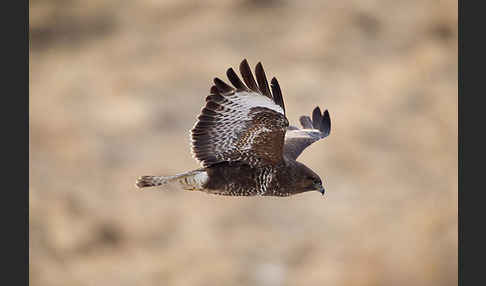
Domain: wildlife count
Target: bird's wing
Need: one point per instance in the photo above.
(297, 139)
(242, 123)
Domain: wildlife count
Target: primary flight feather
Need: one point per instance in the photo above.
(245, 144)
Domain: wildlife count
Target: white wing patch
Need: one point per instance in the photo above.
(242, 123)
(304, 133)
(252, 99)
(224, 133)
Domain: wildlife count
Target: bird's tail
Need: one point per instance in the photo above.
(193, 180)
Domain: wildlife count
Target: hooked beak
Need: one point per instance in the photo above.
(320, 188)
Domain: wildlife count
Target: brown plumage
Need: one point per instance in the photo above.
(245, 144)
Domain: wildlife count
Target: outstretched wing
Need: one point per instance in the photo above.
(242, 123)
(297, 139)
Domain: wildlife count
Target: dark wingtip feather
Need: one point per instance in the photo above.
(223, 87)
(214, 90)
(306, 122)
(317, 118)
(218, 98)
(262, 80)
(326, 122)
(277, 93)
(321, 121)
(235, 80)
(214, 106)
(247, 75)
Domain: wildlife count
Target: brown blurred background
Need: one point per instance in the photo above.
(117, 85)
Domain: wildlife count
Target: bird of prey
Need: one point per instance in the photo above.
(245, 144)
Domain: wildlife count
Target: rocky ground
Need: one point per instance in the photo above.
(115, 87)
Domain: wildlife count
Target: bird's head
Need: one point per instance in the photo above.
(314, 183)
(309, 180)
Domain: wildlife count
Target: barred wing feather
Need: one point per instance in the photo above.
(245, 122)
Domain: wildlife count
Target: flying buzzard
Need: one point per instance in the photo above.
(245, 144)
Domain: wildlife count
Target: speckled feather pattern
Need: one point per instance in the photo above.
(243, 126)
(244, 142)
